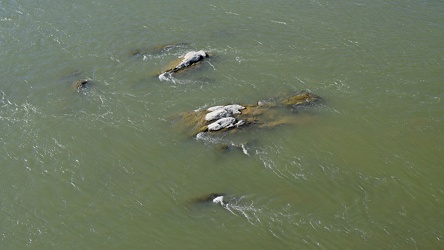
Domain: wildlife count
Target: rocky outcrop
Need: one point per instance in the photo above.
(189, 59)
(218, 112)
(234, 116)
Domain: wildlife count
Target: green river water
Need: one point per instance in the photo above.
(108, 167)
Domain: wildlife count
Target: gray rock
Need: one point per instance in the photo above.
(234, 108)
(218, 112)
(226, 122)
(190, 58)
(240, 123)
(214, 108)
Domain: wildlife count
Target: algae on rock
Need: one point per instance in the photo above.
(230, 117)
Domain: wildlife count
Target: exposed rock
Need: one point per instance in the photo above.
(263, 114)
(226, 122)
(189, 59)
(218, 112)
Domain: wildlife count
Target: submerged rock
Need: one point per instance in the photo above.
(302, 99)
(233, 116)
(158, 49)
(189, 59)
(241, 147)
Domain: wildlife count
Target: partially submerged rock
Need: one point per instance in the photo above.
(80, 84)
(302, 99)
(241, 147)
(217, 198)
(233, 116)
(189, 59)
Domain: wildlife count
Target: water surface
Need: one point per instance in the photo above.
(107, 168)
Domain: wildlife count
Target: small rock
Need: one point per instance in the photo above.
(213, 197)
(79, 84)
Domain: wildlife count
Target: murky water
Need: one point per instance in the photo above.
(109, 168)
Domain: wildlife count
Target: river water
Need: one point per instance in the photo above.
(108, 168)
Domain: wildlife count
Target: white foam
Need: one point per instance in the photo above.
(167, 76)
(244, 149)
(219, 200)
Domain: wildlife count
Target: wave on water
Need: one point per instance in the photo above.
(239, 207)
(168, 76)
(274, 221)
(210, 139)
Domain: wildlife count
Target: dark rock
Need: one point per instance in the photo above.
(213, 197)
(80, 84)
(301, 99)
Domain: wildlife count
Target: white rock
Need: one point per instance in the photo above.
(190, 58)
(214, 108)
(218, 112)
(226, 122)
(234, 108)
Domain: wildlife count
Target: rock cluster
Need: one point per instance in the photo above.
(233, 116)
(224, 117)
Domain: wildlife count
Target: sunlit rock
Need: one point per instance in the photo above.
(218, 112)
(189, 59)
(225, 123)
(264, 114)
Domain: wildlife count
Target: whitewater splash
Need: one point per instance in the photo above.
(167, 76)
(236, 205)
